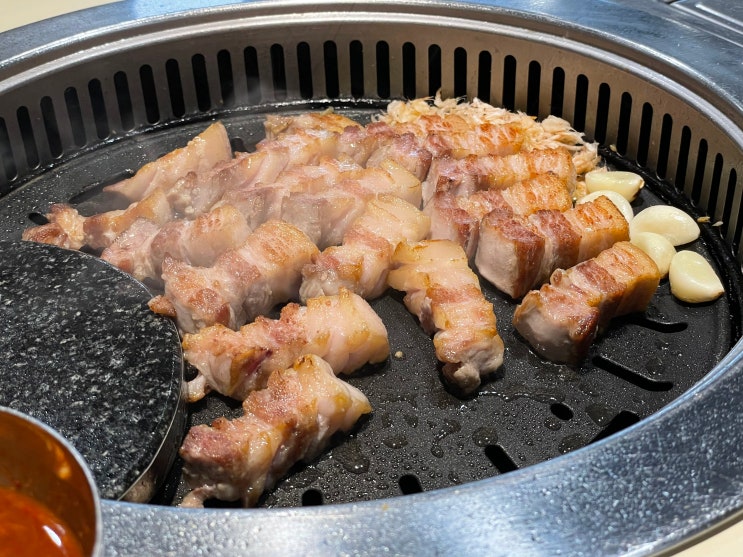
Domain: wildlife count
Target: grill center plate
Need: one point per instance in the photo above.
(83, 353)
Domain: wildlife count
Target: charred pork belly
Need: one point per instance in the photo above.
(363, 260)
(458, 218)
(342, 329)
(463, 177)
(242, 284)
(444, 293)
(516, 253)
(562, 318)
(291, 420)
(201, 153)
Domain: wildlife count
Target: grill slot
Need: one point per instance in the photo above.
(202, 80)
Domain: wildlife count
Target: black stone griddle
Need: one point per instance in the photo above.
(82, 352)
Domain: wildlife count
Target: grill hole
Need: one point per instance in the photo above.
(226, 79)
(631, 376)
(484, 74)
(201, 82)
(408, 70)
(409, 484)
(175, 88)
(6, 154)
(509, 82)
(460, 72)
(646, 127)
(278, 71)
(561, 411)
(729, 199)
(714, 188)
(532, 89)
(683, 158)
(330, 58)
(383, 69)
(252, 75)
(581, 101)
(625, 112)
(356, 54)
(149, 94)
(500, 459)
(664, 148)
(434, 69)
(124, 100)
(76, 117)
(602, 112)
(50, 126)
(621, 421)
(312, 498)
(27, 135)
(38, 219)
(558, 92)
(655, 325)
(304, 63)
(98, 105)
(699, 170)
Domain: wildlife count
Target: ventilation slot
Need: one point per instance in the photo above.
(558, 92)
(408, 71)
(99, 109)
(304, 63)
(460, 72)
(434, 69)
(27, 135)
(252, 75)
(602, 113)
(278, 72)
(356, 53)
(699, 170)
(500, 459)
(383, 69)
(621, 421)
(6, 155)
(124, 100)
(51, 127)
(631, 376)
(581, 102)
(149, 94)
(175, 88)
(643, 144)
(509, 82)
(226, 78)
(664, 149)
(201, 82)
(533, 88)
(484, 75)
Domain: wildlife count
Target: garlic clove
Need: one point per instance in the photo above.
(693, 279)
(677, 226)
(657, 247)
(627, 184)
(617, 198)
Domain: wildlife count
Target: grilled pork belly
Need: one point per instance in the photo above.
(362, 262)
(342, 329)
(201, 153)
(562, 318)
(444, 293)
(463, 177)
(457, 218)
(516, 253)
(243, 283)
(291, 420)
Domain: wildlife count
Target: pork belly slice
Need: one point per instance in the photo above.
(243, 283)
(201, 153)
(562, 318)
(291, 420)
(362, 262)
(465, 176)
(516, 253)
(342, 329)
(444, 293)
(458, 218)
(276, 125)
(141, 249)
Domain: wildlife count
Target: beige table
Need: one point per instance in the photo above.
(727, 543)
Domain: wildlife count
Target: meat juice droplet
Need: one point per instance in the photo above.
(553, 423)
(484, 436)
(600, 413)
(395, 441)
(351, 457)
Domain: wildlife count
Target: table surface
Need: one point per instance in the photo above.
(727, 542)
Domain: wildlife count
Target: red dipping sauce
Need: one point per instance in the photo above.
(29, 529)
